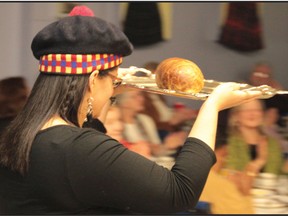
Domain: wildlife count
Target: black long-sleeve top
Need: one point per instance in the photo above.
(77, 171)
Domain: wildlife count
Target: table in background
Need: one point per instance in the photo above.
(270, 194)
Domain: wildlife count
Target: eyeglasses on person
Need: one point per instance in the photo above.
(116, 81)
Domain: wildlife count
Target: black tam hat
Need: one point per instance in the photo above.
(80, 43)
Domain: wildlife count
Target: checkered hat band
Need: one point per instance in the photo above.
(77, 63)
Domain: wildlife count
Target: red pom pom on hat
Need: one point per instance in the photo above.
(81, 11)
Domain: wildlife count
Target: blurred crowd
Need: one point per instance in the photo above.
(251, 139)
(14, 92)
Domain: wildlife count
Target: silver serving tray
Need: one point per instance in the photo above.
(148, 84)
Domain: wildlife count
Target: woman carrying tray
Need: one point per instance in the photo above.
(50, 164)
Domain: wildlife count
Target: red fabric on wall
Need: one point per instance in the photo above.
(242, 29)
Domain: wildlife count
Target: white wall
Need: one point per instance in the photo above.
(10, 57)
(195, 28)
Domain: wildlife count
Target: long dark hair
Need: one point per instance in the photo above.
(50, 95)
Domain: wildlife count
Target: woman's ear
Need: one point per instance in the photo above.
(92, 79)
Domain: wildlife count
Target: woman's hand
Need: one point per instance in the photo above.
(227, 95)
(224, 96)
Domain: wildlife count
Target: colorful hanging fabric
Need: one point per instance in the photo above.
(242, 29)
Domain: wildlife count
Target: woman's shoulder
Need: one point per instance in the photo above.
(66, 134)
(67, 129)
(69, 140)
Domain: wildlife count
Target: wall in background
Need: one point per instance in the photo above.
(195, 29)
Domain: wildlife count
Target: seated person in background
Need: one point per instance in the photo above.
(261, 74)
(223, 195)
(141, 127)
(13, 95)
(271, 128)
(115, 127)
(250, 150)
(279, 101)
(166, 118)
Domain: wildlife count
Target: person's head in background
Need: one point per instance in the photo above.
(262, 74)
(115, 128)
(131, 102)
(271, 116)
(273, 108)
(14, 92)
(151, 66)
(114, 123)
(246, 116)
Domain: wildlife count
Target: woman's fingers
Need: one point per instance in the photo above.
(229, 94)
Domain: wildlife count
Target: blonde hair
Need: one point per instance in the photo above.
(233, 124)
